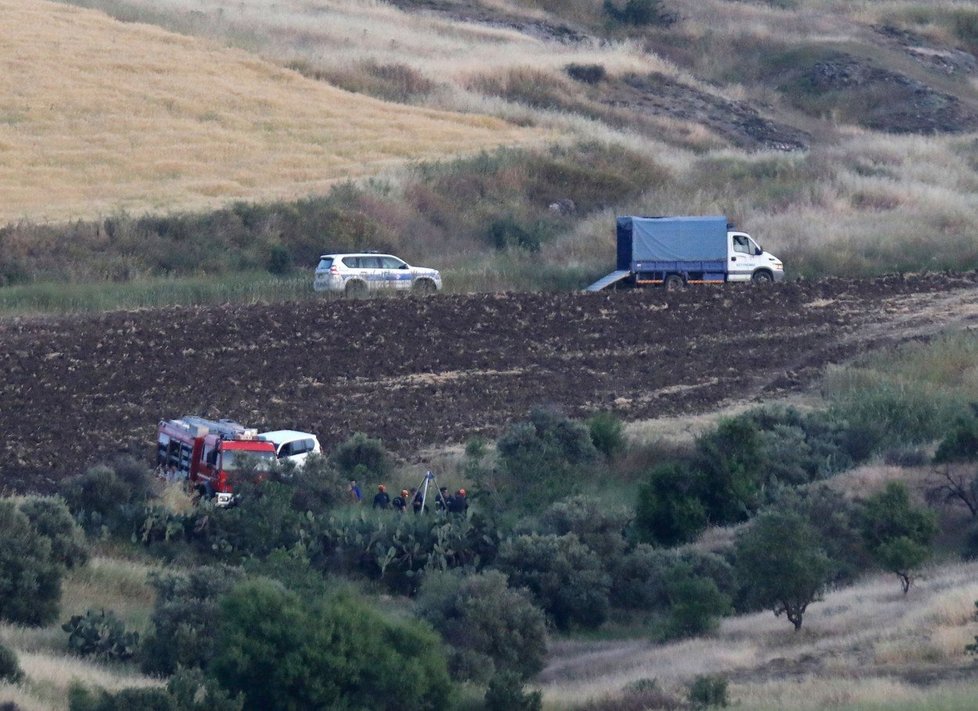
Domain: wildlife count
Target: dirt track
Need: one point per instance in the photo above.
(80, 390)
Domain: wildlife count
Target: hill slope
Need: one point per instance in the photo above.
(101, 115)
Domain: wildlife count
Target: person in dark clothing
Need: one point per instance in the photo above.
(400, 502)
(381, 499)
(417, 501)
(442, 500)
(459, 504)
(355, 494)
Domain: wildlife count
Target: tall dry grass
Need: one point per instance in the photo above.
(858, 203)
(100, 116)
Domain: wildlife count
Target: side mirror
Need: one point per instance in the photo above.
(759, 251)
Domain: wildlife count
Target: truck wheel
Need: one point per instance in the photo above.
(423, 286)
(673, 282)
(355, 290)
(762, 278)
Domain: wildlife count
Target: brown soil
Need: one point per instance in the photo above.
(417, 372)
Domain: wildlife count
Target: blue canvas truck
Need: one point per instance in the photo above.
(675, 251)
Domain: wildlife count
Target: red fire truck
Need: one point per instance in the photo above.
(210, 454)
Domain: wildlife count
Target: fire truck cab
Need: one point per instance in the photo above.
(210, 455)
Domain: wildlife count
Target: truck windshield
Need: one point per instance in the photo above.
(235, 460)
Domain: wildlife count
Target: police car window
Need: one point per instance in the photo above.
(350, 262)
(370, 262)
(392, 263)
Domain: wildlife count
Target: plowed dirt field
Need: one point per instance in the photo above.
(80, 390)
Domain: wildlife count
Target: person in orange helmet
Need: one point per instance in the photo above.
(459, 503)
(381, 499)
(400, 502)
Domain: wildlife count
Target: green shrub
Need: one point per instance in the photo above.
(101, 635)
(10, 671)
(361, 455)
(283, 652)
(731, 461)
(960, 444)
(566, 578)
(109, 499)
(136, 699)
(489, 626)
(598, 526)
(695, 603)
(193, 690)
(547, 453)
(30, 577)
(639, 13)
(708, 690)
(505, 693)
(688, 590)
(187, 690)
(291, 567)
(264, 520)
(586, 73)
(50, 517)
(835, 519)
(607, 433)
(898, 534)
(181, 634)
(670, 508)
(318, 485)
(279, 260)
(638, 695)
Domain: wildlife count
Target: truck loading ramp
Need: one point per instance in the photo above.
(606, 281)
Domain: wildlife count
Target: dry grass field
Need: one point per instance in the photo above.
(101, 116)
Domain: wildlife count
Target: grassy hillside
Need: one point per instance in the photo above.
(102, 117)
(842, 135)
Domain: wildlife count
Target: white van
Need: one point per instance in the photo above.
(293, 446)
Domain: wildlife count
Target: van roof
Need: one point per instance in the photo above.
(280, 436)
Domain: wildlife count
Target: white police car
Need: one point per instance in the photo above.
(355, 274)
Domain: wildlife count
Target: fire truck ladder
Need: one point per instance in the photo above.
(226, 429)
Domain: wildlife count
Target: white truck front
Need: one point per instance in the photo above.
(747, 260)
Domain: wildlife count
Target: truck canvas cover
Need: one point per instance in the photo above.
(671, 239)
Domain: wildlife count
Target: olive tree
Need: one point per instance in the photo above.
(782, 564)
(898, 534)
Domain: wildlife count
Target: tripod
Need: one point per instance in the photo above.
(428, 480)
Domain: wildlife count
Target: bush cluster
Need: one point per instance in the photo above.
(547, 453)
(101, 635)
(38, 542)
(284, 652)
(488, 625)
(743, 464)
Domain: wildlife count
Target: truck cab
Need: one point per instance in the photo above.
(747, 260)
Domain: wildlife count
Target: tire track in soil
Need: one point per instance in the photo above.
(420, 372)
